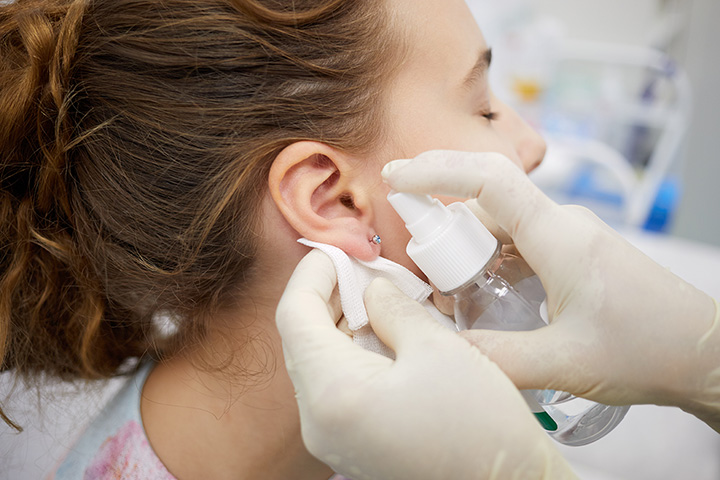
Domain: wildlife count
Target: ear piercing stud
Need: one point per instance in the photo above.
(376, 239)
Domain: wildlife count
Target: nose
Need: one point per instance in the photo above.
(531, 149)
(529, 144)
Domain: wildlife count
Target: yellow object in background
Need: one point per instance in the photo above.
(527, 90)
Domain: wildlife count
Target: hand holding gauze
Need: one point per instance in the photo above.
(441, 409)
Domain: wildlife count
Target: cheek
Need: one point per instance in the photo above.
(436, 126)
(476, 135)
(470, 135)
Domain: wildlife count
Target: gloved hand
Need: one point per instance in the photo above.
(623, 329)
(440, 410)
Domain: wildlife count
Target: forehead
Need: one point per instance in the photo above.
(442, 39)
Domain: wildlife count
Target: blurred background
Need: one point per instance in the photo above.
(627, 95)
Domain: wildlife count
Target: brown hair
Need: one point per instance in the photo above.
(136, 138)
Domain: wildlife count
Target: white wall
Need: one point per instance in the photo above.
(699, 214)
(618, 21)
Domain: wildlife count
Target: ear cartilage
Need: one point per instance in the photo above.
(376, 239)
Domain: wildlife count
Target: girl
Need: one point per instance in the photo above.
(159, 161)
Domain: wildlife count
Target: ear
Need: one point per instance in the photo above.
(322, 194)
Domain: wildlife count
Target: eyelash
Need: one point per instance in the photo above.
(490, 116)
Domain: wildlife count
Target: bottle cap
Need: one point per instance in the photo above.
(450, 245)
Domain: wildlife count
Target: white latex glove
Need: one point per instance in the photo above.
(440, 410)
(623, 329)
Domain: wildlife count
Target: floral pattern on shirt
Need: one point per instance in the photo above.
(127, 455)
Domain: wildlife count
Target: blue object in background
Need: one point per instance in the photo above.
(585, 185)
(666, 202)
(585, 189)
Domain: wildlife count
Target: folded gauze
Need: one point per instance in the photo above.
(354, 276)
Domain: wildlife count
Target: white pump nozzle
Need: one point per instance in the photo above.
(422, 214)
(449, 243)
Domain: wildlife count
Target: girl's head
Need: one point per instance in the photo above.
(161, 156)
(438, 97)
(136, 140)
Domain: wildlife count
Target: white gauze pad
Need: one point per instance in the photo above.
(354, 276)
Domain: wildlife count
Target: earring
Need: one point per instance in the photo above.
(376, 239)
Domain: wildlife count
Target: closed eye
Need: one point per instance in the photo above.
(491, 116)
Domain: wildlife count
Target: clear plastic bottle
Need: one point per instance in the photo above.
(494, 290)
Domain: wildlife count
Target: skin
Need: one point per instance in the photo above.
(206, 425)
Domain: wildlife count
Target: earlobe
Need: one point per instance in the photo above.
(319, 190)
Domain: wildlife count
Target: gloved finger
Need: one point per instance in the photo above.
(305, 315)
(441, 172)
(501, 189)
(400, 322)
(533, 359)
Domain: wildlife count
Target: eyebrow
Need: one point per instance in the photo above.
(478, 70)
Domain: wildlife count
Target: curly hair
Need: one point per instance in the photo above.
(135, 139)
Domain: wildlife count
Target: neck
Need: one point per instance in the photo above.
(238, 422)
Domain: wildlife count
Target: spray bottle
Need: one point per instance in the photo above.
(494, 290)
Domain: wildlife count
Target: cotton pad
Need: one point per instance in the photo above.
(354, 276)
